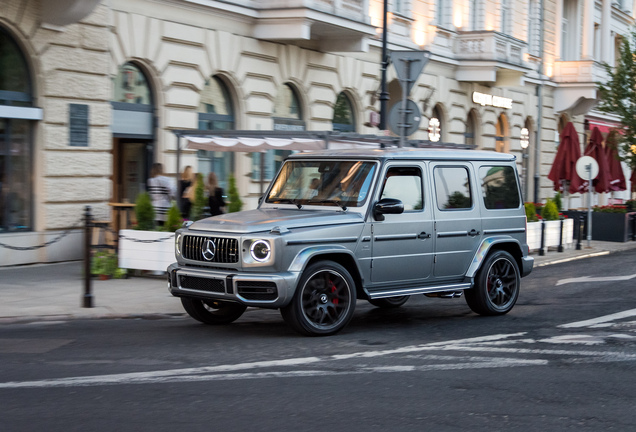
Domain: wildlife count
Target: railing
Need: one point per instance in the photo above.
(579, 71)
(489, 46)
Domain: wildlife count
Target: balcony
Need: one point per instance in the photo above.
(490, 57)
(327, 25)
(576, 91)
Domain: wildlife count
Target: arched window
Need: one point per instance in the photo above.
(131, 86)
(216, 112)
(501, 139)
(470, 136)
(288, 116)
(16, 124)
(343, 115)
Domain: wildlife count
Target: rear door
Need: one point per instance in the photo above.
(458, 227)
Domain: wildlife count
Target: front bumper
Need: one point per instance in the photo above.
(266, 290)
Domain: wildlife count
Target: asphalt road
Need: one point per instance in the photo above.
(563, 359)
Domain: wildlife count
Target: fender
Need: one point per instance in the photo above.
(304, 256)
(484, 248)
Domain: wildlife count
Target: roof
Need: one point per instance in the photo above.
(408, 153)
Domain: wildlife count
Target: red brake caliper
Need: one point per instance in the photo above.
(333, 290)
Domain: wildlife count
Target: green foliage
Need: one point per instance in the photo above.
(173, 219)
(198, 206)
(458, 200)
(557, 201)
(235, 204)
(618, 97)
(145, 212)
(610, 209)
(531, 212)
(550, 211)
(104, 263)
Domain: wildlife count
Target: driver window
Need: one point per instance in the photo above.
(405, 184)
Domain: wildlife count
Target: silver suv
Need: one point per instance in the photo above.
(379, 225)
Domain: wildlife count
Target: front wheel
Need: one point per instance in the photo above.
(389, 302)
(324, 300)
(212, 311)
(496, 286)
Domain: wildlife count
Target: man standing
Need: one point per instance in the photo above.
(162, 191)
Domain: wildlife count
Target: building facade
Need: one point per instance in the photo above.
(91, 91)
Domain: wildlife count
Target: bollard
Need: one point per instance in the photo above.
(560, 248)
(579, 219)
(542, 247)
(87, 300)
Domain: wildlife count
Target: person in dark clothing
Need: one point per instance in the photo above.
(185, 182)
(215, 196)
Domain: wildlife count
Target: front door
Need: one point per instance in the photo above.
(132, 170)
(402, 244)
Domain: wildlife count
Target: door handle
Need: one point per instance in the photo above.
(423, 235)
(473, 233)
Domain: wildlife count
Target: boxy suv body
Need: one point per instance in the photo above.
(380, 225)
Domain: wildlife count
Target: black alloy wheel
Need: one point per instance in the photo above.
(496, 286)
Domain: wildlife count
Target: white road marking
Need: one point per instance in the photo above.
(600, 320)
(595, 279)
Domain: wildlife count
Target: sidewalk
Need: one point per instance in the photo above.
(55, 292)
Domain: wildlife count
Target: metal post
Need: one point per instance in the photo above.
(589, 204)
(404, 100)
(87, 300)
(542, 247)
(579, 219)
(384, 95)
(560, 248)
(178, 172)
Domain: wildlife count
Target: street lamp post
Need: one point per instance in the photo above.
(384, 95)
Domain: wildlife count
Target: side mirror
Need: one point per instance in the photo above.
(387, 206)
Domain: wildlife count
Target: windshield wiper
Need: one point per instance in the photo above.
(336, 202)
(288, 201)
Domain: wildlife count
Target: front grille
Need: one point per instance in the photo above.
(257, 290)
(202, 284)
(226, 251)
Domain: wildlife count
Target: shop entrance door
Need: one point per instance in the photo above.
(134, 170)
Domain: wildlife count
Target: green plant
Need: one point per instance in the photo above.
(610, 209)
(104, 263)
(557, 201)
(550, 211)
(233, 195)
(173, 219)
(531, 212)
(198, 206)
(145, 212)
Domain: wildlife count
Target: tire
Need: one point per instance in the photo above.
(324, 301)
(496, 286)
(389, 302)
(211, 311)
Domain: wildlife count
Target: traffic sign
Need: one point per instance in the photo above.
(412, 118)
(408, 66)
(587, 167)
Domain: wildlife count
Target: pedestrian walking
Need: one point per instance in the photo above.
(162, 191)
(186, 183)
(215, 196)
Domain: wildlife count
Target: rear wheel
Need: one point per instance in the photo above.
(389, 302)
(496, 286)
(212, 311)
(324, 300)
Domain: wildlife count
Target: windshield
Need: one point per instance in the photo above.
(328, 183)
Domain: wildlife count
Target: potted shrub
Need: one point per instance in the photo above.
(611, 223)
(235, 204)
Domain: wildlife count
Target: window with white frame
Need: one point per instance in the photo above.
(568, 30)
(506, 16)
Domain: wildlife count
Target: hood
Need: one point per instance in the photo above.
(263, 220)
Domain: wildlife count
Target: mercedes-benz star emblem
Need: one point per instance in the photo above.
(208, 249)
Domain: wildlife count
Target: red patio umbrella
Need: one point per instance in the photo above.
(595, 149)
(564, 166)
(616, 177)
(633, 180)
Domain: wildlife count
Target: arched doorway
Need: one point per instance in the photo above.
(436, 126)
(17, 120)
(133, 132)
(471, 136)
(502, 142)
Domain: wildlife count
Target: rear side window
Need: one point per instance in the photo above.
(452, 188)
(499, 187)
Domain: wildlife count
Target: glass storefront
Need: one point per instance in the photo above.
(16, 159)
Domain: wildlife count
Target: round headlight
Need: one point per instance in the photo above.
(260, 250)
(176, 244)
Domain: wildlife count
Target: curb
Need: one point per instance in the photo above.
(574, 258)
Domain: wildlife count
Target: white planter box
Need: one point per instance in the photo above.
(146, 250)
(552, 231)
